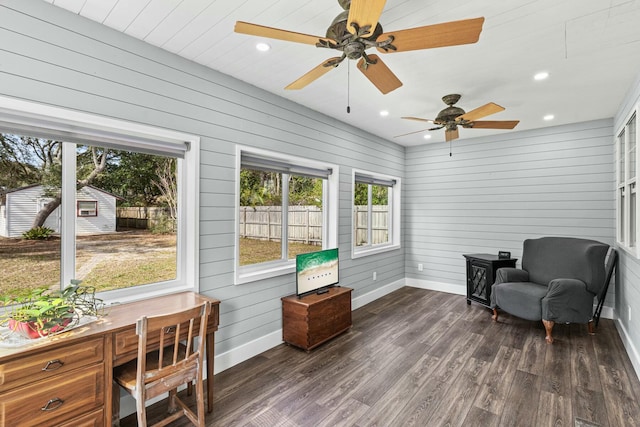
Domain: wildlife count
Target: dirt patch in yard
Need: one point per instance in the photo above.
(107, 261)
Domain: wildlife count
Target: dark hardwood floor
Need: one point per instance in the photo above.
(423, 358)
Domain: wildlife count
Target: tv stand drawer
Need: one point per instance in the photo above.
(314, 319)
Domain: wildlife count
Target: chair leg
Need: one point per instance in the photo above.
(200, 402)
(548, 326)
(495, 315)
(142, 411)
(592, 328)
(172, 401)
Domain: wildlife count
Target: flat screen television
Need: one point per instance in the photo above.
(316, 271)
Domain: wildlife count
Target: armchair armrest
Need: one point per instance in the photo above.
(567, 300)
(510, 274)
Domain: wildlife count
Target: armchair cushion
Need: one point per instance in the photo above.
(523, 298)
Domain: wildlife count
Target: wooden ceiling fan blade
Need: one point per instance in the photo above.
(481, 112)
(411, 133)
(501, 124)
(418, 119)
(450, 135)
(363, 13)
(439, 35)
(275, 33)
(312, 75)
(379, 74)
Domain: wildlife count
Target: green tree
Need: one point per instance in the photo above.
(131, 176)
(379, 194)
(24, 161)
(262, 188)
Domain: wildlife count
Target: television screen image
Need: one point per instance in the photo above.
(316, 270)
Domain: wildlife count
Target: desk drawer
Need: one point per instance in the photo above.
(64, 397)
(38, 366)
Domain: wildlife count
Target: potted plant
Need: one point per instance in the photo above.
(42, 312)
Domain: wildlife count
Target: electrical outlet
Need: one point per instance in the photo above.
(420, 267)
(375, 275)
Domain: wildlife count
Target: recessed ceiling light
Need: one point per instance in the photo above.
(384, 113)
(541, 75)
(263, 47)
(427, 136)
(549, 117)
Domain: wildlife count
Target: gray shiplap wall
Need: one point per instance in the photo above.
(628, 275)
(52, 56)
(496, 191)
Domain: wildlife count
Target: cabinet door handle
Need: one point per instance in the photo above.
(52, 365)
(53, 404)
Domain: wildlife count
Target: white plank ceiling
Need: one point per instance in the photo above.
(590, 48)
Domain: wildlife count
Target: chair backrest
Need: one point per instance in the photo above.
(180, 339)
(549, 258)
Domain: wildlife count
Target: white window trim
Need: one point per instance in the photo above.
(395, 213)
(31, 113)
(622, 241)
(253, 273)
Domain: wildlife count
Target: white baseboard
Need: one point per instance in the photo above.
(246, 351)
(632, 351)
(449, 288)
(365, 299)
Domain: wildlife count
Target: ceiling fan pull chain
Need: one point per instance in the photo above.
(348, 86)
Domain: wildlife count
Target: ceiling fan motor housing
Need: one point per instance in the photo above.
(449, 114)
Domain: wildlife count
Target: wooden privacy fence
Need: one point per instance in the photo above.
(265, 223)
(141, 217)
(379, 224)
(305, 223)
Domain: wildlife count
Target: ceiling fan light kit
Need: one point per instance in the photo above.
(357, 29)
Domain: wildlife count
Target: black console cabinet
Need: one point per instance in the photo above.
(481, 273)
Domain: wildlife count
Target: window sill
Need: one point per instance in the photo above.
(359, 253)
(265, 272)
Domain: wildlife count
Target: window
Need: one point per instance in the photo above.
(85, 177)
(376, 213)
(627, 202)
(286, 206)
(87, 208)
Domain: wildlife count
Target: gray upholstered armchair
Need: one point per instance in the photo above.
(559, 279)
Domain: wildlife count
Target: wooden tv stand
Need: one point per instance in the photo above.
(314, 319)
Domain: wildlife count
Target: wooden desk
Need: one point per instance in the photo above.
(66, 380)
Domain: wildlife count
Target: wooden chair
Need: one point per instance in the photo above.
(179, 338)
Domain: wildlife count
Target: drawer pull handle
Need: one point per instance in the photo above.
(52, 365)
(53, 404)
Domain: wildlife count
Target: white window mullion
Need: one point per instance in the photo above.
(369, 215)
(284, 214)
(67, 217)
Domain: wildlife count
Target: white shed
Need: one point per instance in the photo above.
(95, 211)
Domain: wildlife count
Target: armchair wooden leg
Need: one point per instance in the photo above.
(495, 315)
(548, 327)
(592, 328)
